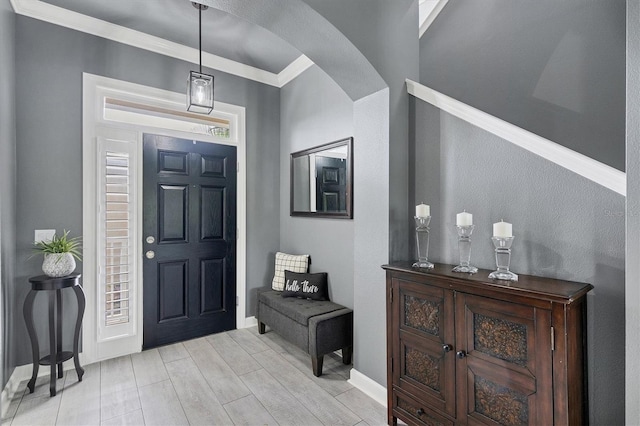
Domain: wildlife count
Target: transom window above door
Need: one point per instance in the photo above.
(124, 111)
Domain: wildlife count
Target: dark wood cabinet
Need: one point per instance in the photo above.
(463, 349)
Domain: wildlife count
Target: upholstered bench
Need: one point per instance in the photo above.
(318, 327)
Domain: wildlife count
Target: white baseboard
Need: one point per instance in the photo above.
(249, 322)
(4, 402)
(369, 386)
(10, 390)
(21, 373)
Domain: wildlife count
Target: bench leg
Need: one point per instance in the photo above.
(346, 355)
(261, 328)
(316, 363)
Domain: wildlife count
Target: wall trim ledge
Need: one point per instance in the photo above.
(432, 17)
(369, 386)
(584, 166)
(293, 70)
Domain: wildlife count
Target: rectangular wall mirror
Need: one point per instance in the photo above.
(322, 181)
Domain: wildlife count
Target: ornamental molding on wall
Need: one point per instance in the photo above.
(46, 12)
(585, 166)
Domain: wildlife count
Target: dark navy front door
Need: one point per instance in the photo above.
(189, 239)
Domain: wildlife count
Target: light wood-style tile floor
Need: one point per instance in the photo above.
(233, 378)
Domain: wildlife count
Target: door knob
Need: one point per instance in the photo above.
(461, 354)
(150, 239)
(150, 254)
(446, 348)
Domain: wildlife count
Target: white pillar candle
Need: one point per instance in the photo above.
(423, 210)
(464, 219)
(502, 229)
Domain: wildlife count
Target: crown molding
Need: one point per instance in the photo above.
(46, 12)
(587, 167)
(432, 17)
(293, 70)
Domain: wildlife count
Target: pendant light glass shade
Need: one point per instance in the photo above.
(200, 93)
(200, 85)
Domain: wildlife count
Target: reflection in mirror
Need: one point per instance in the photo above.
(321, 180)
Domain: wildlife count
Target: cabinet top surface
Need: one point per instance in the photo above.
(539, 287)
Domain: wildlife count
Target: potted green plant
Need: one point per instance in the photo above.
(59, 254)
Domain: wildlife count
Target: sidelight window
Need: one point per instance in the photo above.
(116, 240)
(116, 243)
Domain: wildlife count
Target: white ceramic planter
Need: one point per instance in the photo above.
(58, 264)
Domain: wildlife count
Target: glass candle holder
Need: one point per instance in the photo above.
(422, 242)
(464, 247)
(503, 258)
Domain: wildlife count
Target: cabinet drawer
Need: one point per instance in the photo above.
(413, 412)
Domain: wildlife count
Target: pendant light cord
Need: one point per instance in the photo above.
(200, 35)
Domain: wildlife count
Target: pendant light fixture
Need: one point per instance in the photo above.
(199, 85)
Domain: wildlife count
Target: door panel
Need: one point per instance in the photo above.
(211, 289)
(500, 399)
(190, 211)
(213, 166)
(212, 213)
(331, 182)
(173, 212)
(505, 372)
(426, 327)
(172, 290)
(173, 162)
(501, 334)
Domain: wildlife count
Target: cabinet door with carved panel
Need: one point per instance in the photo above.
(424, 359)
(504, 367)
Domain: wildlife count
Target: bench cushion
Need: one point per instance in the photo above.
(299, 310)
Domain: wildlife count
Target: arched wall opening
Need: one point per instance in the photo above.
(334, 53)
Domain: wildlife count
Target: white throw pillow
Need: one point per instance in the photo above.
(289, 262)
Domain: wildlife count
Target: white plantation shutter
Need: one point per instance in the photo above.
(116, 240)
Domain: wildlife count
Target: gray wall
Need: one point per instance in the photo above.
(50, 61)
(385, 32)
(313, 111)
(301, 181)
(555, 68)
(7, 187)
(633, 214)
(371, 234)
(565, 227)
